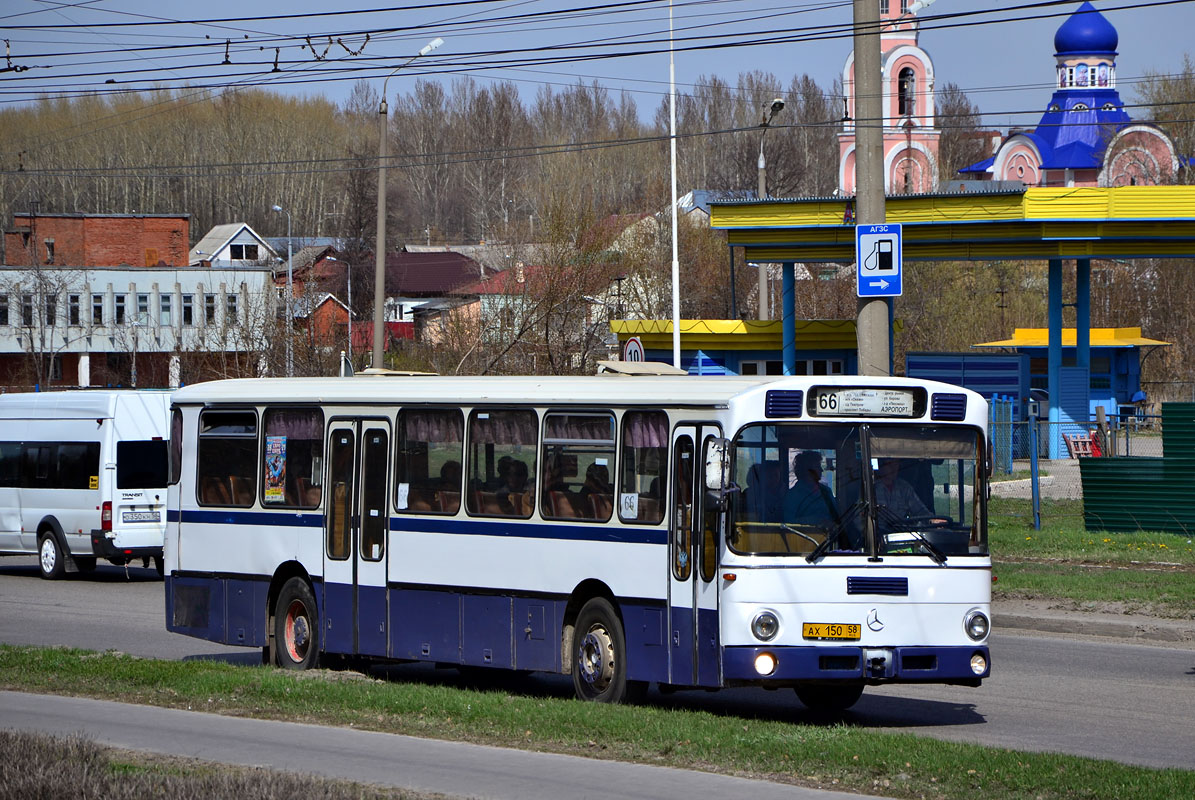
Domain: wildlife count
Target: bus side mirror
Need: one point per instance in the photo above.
(717, 465)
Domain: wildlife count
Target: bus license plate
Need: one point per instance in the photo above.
(829, 630)
(146, 516)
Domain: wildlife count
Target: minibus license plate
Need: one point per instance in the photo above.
(152, 516)
(829, 630)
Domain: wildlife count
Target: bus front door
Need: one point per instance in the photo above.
(692, 589)
(357, 525)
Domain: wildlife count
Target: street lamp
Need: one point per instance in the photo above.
(379, 273)
(769, 113)
(290, 294)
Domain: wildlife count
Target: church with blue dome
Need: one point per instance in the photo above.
(1085, 137)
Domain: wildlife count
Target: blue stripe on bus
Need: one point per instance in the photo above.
(225, 516)
(514, 528)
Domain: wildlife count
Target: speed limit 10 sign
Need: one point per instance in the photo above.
(632, 349)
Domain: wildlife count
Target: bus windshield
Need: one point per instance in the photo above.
(816, 490)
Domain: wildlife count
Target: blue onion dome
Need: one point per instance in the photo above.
(1086, 32)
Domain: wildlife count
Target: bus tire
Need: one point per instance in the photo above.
(599, 655)
(51, 559)
(823, 698)
(296, 626)
(84, 563)
(159, 566)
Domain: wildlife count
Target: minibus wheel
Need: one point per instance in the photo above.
(50, 557)
(296, 626)
(600, 655)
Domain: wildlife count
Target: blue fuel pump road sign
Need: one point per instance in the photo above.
(878, 260)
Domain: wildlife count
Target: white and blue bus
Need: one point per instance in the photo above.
(820, 533)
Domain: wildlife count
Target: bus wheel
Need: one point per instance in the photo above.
(159, 566)
(296, 626)
(599, 655)
(50, 557)
(829, 698)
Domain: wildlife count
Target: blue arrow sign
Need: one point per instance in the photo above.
(878, 260)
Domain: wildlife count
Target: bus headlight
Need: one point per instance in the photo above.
(765, 626)
(976, 624)
(765, 664)
(978, 663)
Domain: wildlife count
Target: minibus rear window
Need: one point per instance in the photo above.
(142, 464)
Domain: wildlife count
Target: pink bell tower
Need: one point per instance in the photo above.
(910, 135)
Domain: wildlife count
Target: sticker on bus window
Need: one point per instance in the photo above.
(628, 505)
(93, 482)
(275, 469)
(404, 489)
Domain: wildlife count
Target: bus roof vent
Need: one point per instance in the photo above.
(950, 407)
(783, 403)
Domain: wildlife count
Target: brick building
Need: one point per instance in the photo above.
(110, 300)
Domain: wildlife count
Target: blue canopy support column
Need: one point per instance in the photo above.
(1083, 314)
(1054, 354)
(788, 300)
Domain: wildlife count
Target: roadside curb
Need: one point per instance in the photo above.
(1130, 627)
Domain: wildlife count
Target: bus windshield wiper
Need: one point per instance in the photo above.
(839, 529)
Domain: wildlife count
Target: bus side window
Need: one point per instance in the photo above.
(578, 452)
(430, 446)
(294, 451)
(644, 464)
(227, 450)
(501, 469)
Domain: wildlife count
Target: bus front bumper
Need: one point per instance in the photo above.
(964, 664)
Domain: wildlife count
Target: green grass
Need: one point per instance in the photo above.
(1146, 572)
(817, 755)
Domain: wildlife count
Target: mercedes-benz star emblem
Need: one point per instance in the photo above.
(873, 621)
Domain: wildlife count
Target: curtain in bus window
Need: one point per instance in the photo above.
(430, 454)
(644, 461)
(293, 457)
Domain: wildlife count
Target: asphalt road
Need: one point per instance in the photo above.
(1090, 696)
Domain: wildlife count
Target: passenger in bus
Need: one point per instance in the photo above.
(896, 499)
(597, 494)
(499, 481)
(809, 501)
(450, 476)
(511, 496)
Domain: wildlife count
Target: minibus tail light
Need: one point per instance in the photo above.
(106, 516)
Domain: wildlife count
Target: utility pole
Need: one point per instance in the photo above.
(872, 321)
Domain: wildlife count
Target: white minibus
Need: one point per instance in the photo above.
(83, 475)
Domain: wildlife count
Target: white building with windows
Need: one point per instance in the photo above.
(132, 326)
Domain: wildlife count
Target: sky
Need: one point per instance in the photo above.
(1003, 57)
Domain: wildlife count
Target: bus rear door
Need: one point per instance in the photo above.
(357, 527)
